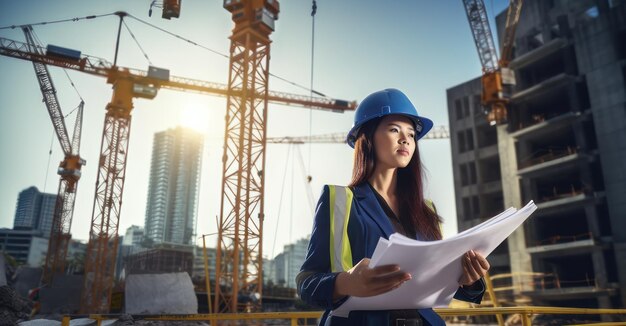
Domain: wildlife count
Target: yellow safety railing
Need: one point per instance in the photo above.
(296, 318)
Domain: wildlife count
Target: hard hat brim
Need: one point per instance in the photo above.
(427, 125)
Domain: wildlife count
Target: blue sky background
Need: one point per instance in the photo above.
(421, 47)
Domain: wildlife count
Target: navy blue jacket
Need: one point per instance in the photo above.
(368, 222)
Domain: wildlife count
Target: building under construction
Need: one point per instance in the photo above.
(164, 259)
(563, 147)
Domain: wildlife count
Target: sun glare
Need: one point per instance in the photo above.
(195, 117)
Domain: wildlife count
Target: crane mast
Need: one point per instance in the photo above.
(103, 240)
(69, 168)
(512, 18)
(239, 263)
(60, 236)
(479, 25)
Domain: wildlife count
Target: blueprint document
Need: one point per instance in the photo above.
(435, 266)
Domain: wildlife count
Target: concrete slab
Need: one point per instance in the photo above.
(171, 293)
(40, 322)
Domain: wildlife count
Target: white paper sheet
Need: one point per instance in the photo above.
(435, 266)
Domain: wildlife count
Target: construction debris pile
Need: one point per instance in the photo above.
(13, 308)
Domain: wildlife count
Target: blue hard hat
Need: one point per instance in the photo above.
(386, 102)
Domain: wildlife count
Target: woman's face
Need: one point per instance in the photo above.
(394, 142)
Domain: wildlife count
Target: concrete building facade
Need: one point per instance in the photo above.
(564, 147)
(476, 164)
(17, 243)
(173, 190)
(37, 252)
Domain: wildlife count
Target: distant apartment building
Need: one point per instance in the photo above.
(134, 236)
(38, 250)
(564, 147)
(286, 265)
(30, 248)
(277, 270)
(198, 262)
(34, 210)
(17, 243)
(130, 243)
(173, 190)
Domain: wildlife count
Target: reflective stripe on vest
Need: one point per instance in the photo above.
(340, 204)
(340, 251)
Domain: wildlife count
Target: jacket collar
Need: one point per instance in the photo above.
(367, 200)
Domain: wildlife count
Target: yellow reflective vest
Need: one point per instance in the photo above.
(340, 204)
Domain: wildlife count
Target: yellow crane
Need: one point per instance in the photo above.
(497, 79)
(69, 168)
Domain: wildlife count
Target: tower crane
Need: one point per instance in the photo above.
(239, 263)
(245, 142)
(497, 79)
(69, 169)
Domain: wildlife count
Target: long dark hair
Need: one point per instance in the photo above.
(414, 213)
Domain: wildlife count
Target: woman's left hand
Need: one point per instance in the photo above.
(475, 266)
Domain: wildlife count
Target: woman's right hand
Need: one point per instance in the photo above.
(363, 281)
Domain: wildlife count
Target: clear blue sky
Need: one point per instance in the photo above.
(420, 47)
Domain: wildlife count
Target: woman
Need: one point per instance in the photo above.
(384, 197)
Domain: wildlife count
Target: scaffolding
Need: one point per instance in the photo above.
(160, 260)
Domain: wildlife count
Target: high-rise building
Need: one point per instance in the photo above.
(27, 209)
(34, 210)
(46, 213)
(173, 191)
(564, 147)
